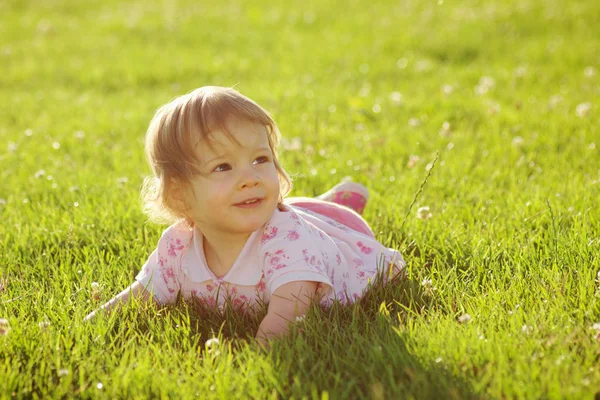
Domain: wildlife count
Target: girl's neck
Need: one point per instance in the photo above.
(221, 254)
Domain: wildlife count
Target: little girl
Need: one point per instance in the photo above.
(234, 238)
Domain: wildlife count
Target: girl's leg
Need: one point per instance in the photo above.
(344, 203)
(348, 194)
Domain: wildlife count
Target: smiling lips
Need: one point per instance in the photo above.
(250, 203)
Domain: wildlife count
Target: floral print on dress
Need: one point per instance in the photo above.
(268, 233)
(175, 246)
(293, 235)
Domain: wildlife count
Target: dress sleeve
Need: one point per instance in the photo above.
(161, 274)
(291, 250)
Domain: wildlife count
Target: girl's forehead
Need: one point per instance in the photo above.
(233, 137)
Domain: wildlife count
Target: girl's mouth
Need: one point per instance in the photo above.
(250, 203)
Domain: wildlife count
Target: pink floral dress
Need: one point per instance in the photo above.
(299, 243)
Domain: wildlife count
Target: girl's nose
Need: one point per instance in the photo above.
(249, 178)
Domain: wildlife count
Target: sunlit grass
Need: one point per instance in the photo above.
(501, 295)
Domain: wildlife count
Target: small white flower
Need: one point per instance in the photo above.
(464, 319)
(439, 360)
(4, 327)
(96, 289)
(44, 324)
(485, 84)
(99, 386)
(414, 122)
(63, 372)
(212, 342)
(424, 213)
(555, 101)
(518, 141)
(12, 147)
(521, 71)
(445, 130)
(596, 326)
(295, 144)
(583, 109)
(39, 173)
(396, 98)
(56, 145)
(412, 161)
(426, 282)
(447, 89)
(526, 329)
(79, 134)
(589, 72)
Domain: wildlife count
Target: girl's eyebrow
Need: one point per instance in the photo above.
(222, 156)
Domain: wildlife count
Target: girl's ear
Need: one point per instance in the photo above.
(177, 195)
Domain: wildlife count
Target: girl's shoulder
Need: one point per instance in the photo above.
(175, 238)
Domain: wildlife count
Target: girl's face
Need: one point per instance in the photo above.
(237, 189)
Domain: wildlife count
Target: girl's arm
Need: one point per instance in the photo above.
(136, 290)
(287, 303)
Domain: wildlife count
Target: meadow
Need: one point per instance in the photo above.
(502, 241)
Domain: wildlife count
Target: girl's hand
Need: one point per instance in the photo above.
(287, 303)
(136, 290)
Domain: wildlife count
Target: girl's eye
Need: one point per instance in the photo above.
(261, 160)
(222, 167)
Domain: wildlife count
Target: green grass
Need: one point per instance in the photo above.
(513, 239)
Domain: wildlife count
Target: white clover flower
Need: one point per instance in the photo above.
(412, 161)
(447, 89)
(396, 98)
(518, 141)
(589, 72)
(295, 144)
(583, 109)
(485, 84)
(414, 122)
(300, 318)
(445, 130)
(96, 289)
(465, 319)
(4, 327)
(212, 342)
(555, 100)
(44, 324)
(424, 213)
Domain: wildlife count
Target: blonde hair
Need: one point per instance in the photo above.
(175, 130)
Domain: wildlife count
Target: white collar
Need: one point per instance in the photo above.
(245, 270)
